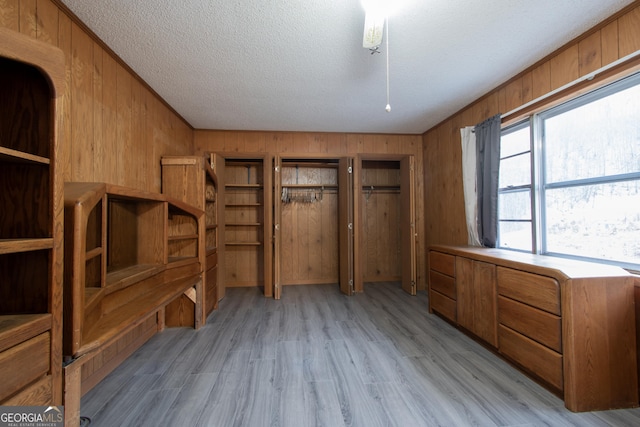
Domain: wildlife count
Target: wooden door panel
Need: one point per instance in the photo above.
(407, 224)
(345, 221)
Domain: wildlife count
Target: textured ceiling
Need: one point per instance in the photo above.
(296, 65)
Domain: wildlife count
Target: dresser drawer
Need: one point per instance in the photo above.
(443, 305)
(443, 263)
(24, 363)
(444, 284)
(538, 359)
(532, 289)
(543, 327)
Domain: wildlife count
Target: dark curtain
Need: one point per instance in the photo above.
(488, 162)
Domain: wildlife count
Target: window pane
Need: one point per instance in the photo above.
(515, 142)
(596, 221)
(515, 235)
(514, 205)
(601, 138)
(515, 171)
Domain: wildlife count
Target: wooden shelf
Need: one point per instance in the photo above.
(311, 186)
(180, 260)
(243, 186)
(123, 277)
(125, 317)
(8, 246)
(185, 237)
(9, 155)
(380, 187)
(243, 243)
(91, 254)
(17, 328)
(242, 205)
(243, 224)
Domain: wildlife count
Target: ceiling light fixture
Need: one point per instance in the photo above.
(374, 25)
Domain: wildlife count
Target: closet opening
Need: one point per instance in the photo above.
(311, 201)
(386, 214)
(246, 256)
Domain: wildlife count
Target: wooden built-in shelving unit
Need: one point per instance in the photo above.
(31, 84)
(192, 180)
(129, 254)
(245, 197)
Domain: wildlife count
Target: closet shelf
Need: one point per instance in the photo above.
(243, 224)
(243, 243)
(242, 205)
(380, 187)
(311, 186)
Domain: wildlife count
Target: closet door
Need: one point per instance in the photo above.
(408, 224)
(345, 222)
(267, 231)
(218, 167)
(277, 220)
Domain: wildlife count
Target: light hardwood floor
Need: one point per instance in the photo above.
(318, 358)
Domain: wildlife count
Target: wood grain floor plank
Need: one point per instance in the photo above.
(358, 408)
(191, 400)
(151, 409)
(322, 404)
(222, 402)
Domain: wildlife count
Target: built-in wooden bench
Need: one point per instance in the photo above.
(128, 255)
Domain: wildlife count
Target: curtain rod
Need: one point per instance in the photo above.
(589, 76)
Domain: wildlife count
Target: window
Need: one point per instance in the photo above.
(515, 219)
(588, 183)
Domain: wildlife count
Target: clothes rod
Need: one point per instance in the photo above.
(586, 77)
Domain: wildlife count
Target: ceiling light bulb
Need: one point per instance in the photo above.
(388, 108)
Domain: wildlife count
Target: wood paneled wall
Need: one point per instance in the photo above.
(116, 128)
(323, 145)
(609, 41)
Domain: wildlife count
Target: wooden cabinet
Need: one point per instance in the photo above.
(476, 298)
(530, 323)
(31, 86)
(192, 180)
(245, 195)
(442, 285)
(570, 324)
